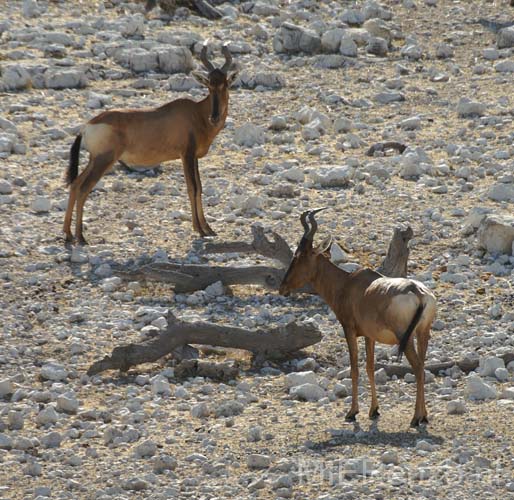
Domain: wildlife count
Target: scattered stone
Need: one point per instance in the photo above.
(146, 449)
(307, 392)
(257, 461)
(456, 407)
(496, 234)
(41, 204)
(477, 389)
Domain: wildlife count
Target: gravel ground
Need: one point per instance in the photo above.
(320, 82)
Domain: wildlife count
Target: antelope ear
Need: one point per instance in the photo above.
(200, 77)
(325, 245)
(232, 77)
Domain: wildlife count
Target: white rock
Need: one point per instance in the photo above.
(293, 174)
(47, 415)
(412, 123)
(489, 366)
(331, 39)
(466, 108)
(30, 8)
(505, 38)
(343, 124)
(137, 59)
(255, 433)
(6, 387)
(307, 392)
(41, 204)
(477, 389)
(15, 77)
(15, 420)
(298, 378)
(174, 59)
(215, 290)
(5, 442)
(229, 409)
(65, 79)
(54, 371)
(502, 374)
(163, 463)
(145, 449)
(160, 385)
(504, 67)
(501, 192)
(110, 285)
(249, 135)
(347, 47)
(293, 39)
(496, 234)
(390, 457)
(257, 461)
(5, 187)
(68, 403)
(200, 410)
(332, 175)
(456, 407)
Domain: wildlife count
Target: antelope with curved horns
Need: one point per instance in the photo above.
(367, 304)
(181, 129)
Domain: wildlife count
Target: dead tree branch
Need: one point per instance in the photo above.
(466, 365)
(266, 343)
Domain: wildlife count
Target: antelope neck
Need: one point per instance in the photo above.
(328, 280)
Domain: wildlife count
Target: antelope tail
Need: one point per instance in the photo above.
(73, 167)
(406, 336)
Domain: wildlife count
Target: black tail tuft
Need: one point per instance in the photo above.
(73, 167)
(406, 336)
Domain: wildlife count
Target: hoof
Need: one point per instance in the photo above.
(374, 414)
(82, 241)
(417, 421)
(350, 416)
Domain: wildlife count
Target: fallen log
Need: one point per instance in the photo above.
(262, 343)
(189, 278)
(466, 365)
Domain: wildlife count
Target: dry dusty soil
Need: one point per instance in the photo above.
(311, 99)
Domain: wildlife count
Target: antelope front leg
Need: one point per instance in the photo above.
(351, 339)
(198, 200)
(189, 175)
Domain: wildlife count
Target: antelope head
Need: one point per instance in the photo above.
(302, 269)
(218, 81)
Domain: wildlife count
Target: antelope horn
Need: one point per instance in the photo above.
(228, 58)
(303, 220)
(203, 57)
(314, 224)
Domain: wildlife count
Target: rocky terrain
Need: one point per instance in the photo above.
(320, 83)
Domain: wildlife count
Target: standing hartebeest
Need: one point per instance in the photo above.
(181, 129)
(367, 304)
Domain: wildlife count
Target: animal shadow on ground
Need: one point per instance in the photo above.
(374, 436)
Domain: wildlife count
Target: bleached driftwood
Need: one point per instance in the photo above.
(466, 365)
(262, 343)
(188, 278)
